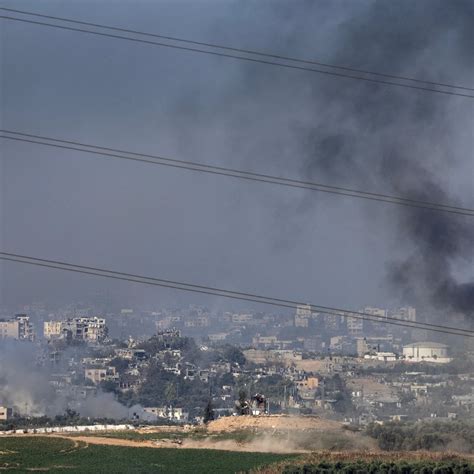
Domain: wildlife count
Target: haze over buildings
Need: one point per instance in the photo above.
(218, 231)
(229, 296)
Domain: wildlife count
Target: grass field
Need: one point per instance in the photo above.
(48, 454)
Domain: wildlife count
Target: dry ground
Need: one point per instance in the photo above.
(271, 434)
(273, 422)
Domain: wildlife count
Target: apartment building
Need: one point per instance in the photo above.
(18, 328)
(82, 329)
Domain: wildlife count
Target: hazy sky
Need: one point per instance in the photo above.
(219, 231)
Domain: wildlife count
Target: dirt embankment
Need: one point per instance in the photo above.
(272, 422)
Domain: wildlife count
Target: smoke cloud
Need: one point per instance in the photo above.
(25, 387)
(218, 231)
(401, 142)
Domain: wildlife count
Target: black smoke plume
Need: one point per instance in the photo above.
(400, 141)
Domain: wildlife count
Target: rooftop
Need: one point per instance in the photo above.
(436, 345)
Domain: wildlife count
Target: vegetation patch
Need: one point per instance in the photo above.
(50, 454)
(382, 467)
(347, 462)
(430, 436)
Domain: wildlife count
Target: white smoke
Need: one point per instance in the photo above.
(25, 387)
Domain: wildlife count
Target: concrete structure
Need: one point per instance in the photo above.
(219, 336)
(308, 383)
(95, 329)
(341, 344)
(5, 413)
(407, 313)
(382, 356)
(242, 318)
(355, 326)
(371, 345)
(197, 322)
(130, 354)
(303, 315)
(52, 329)
(426, 352)
(332, 322)
(18, 328)
(170, 413)
(9, 329)
(69, 429)
(264, 341)
(81, 329)
(98, 375)
(313, 344)
(380, 317)
(25, 327)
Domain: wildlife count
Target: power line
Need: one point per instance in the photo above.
(95, 271)
(243, 58)
(238, 50)
(222, 293)
(233, 173)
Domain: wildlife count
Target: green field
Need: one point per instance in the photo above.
(43, 454)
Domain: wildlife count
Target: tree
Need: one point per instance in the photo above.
(227, 379)
(109, 386)
(121, 365)
(242, 405)
(234, 355)
(208, 412)
(170, 392)
(272, 386)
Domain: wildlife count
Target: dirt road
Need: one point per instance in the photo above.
(261, 445)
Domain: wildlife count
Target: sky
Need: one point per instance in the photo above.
(219, 231)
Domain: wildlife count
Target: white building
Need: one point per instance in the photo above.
(170, 413)
(426, 352)
(382, 356)
(25, 327)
